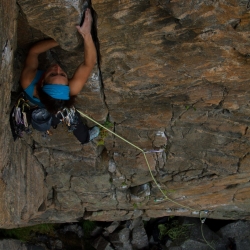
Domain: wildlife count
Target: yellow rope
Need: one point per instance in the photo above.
(150, 171)
(202, 222)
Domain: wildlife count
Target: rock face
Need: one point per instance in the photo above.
(8, 44)
(13, 244)
(174, 79)
(55, 19)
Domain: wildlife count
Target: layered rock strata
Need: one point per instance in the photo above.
(174, 79)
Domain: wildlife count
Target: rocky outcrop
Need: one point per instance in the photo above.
(8, 45)
(13, 244)
(44, 16)
(174, 79)
(176, 233)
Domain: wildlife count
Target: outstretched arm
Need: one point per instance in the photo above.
(84, 69)
(31, 63)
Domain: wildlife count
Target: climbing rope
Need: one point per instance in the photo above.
(155, 181)
(202, 233)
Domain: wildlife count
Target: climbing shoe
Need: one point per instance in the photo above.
(93, 133)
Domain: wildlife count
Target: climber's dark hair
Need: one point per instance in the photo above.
(54, 105)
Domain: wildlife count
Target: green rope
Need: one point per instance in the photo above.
(202, 222)
(150, 171)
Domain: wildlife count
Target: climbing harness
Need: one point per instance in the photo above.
(203, 213)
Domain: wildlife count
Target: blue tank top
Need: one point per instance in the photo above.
(30, 89)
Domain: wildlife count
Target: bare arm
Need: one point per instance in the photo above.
(84, 69)
(31, 63)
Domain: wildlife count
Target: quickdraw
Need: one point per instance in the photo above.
(69, 117)
(19, 117)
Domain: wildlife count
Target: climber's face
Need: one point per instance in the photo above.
(55, 75)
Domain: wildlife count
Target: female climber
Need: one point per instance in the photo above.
(52, 89)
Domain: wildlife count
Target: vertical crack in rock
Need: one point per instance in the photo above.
(246, 130)
(234, 195)
(103, 93)
(54, 196)
(225, 93)
(88, 4)
(42, 166)
(241, 160)
(32, 147)
(70, 179)
(117, 201)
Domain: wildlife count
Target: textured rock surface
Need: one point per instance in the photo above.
(55, 18)
(175, 77)
(12, 244)
(176, 233)
(139, 237)
(8, 44)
